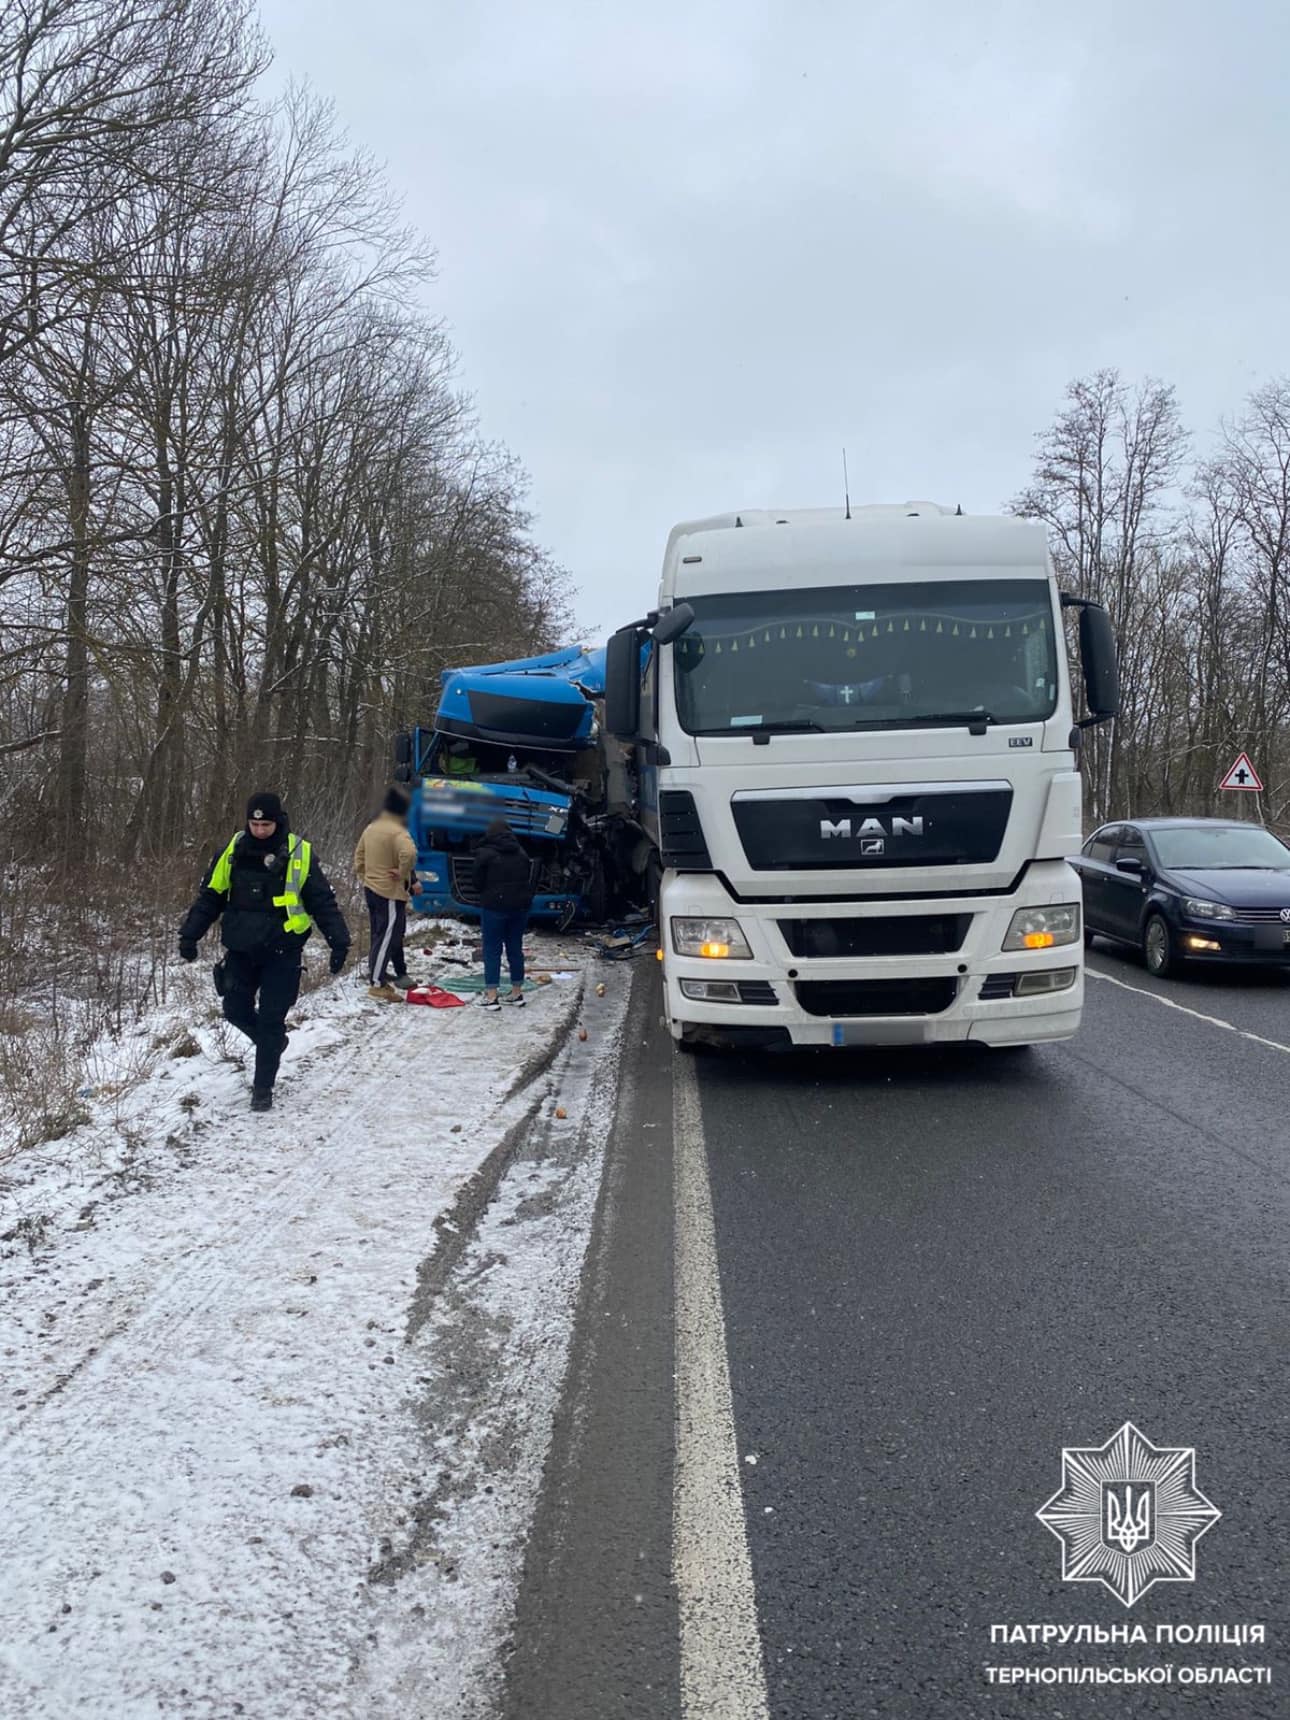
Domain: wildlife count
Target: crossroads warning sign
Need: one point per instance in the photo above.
(1243, 778)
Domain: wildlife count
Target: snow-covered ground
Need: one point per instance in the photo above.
(276, 1391)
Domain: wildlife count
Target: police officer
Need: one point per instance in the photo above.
(270, 890)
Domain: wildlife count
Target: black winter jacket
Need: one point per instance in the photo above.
(503, 875)
(251, 923)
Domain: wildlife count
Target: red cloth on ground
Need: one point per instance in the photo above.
(434, 996)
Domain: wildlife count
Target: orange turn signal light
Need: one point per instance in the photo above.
(717, 952)
(1039, 940)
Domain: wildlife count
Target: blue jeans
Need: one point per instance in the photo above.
(503, 927)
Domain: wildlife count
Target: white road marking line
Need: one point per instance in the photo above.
(722, 1676)
(1197, 1014)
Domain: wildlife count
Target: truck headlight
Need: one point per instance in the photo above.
(1043, 928)
(1199, 909)
(721, 940)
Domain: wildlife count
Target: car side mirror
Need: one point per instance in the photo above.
(1133, 867)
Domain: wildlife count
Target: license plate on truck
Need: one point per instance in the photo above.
(880, 1032)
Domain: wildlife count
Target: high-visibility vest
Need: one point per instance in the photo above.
(299, 854)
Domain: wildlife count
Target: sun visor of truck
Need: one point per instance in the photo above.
(515, 710)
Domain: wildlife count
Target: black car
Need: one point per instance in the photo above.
(1188, 889)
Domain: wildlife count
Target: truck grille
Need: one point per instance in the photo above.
(461, 873)
(876, 996)
(886, 935)
(682, 843)
(461, 877)
(843, 830)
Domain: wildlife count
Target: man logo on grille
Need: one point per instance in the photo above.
(1128, 1514)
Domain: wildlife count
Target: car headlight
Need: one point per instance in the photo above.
(1199, 909)
(1043, 928)
(722, 940)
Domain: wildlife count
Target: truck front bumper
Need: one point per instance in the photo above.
(977, 992)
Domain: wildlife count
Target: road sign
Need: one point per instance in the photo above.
(1243, 778)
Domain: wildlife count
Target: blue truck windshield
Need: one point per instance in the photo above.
(868, 656)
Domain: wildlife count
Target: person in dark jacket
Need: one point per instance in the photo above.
(503, 879)
(270, 891)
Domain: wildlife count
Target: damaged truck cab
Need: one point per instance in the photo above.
(523, 741)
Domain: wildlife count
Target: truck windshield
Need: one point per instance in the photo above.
(848, 657)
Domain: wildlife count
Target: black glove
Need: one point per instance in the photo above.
(187, 950)
(338, 959)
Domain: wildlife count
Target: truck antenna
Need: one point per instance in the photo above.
(846, 483)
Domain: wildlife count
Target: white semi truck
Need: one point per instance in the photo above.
(858, 761)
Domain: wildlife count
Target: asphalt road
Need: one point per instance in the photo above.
(935, 1272)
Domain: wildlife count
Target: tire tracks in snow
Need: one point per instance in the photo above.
(472, 1384)
(176, 1300)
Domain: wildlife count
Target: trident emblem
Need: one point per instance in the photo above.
(1128, 1514)
(1128, 1520)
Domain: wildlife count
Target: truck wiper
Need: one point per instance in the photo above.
(793, 725)
(975, 720)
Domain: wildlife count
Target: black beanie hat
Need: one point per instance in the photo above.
(397, 800)
(267, 805)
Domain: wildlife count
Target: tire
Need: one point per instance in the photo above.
(1158, 950)
(1089, 938)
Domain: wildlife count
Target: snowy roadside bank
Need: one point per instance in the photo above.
(272, 1423)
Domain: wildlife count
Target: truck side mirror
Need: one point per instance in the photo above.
(403, 748)
(672, 623)
(1098, 657)
(623, 684)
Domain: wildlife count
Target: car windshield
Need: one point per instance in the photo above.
(1203, 847)
(871, 656)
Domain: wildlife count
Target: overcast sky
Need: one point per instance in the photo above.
(687, 251)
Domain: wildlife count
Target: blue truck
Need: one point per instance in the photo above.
(524, 741)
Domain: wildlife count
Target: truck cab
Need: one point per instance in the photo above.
(858, 760)
(519, 740)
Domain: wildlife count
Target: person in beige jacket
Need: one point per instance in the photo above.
(384, 863)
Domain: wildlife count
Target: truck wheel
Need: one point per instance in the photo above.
(1158, 948)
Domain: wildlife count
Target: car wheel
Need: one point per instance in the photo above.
(1158, 948)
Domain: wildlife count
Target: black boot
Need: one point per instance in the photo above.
(262, 1098)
